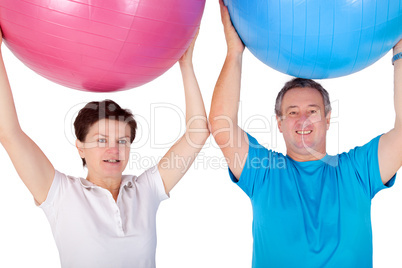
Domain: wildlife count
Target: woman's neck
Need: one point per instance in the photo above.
(112, 184)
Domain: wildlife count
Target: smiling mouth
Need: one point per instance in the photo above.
(111, 161)
(304, 132)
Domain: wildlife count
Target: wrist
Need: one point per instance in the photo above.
(396, 57)
(232, 53)
(397, 50)
(186, 63)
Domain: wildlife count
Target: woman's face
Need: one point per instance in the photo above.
(106, 148)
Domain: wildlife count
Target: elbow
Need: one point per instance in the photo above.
(4, 135)
(10, 134)
(398, 126)
(216, 122)
(214, 126)
(211, 122)
(206, 133)
(3, 132)
(221, 130)
(202, 138)
(5, 138)
(196, 138)
(198, 133)
(395, 136)
(9, 131)
(398, 130)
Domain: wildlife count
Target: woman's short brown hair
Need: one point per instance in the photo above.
(95, 111)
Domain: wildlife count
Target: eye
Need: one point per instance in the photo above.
(292, 113)
(122, 141)
(102, 140)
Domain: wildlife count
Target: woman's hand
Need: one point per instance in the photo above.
(187, 57)
(1, 37)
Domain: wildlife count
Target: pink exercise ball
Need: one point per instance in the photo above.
(100, 45)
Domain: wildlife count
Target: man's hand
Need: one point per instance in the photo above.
(398, 47)
(233, 40)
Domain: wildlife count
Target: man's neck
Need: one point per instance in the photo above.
(308, 156)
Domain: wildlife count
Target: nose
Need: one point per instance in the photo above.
(113, 150)
(303, 120)
(303, 117)
(112, 143)
(112, 147)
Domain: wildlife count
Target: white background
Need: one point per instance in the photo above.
(207, 220)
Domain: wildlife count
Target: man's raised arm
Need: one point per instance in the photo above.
(231, 139)
(390, 146)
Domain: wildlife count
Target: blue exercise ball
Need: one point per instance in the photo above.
(317, 38)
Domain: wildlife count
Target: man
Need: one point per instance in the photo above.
(312, 209)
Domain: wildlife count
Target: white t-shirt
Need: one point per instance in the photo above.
(92, 230)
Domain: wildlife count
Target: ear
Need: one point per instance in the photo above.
(80, 148)
(328, 119)
(279, 121)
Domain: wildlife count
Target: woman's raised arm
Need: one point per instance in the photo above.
(181, 155)
(32, 165)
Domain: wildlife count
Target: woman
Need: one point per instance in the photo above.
(107, 219)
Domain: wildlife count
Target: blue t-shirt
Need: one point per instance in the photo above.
(312, 214)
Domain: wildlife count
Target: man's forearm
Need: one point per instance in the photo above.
(398, 89)
(225, 100)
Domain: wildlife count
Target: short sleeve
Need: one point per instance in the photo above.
(54, 194)
(365, 163)
(53, 191)
(155, 182)
(256, 167)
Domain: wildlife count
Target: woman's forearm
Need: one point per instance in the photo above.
(8, 120)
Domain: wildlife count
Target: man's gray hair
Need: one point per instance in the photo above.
(302, 83)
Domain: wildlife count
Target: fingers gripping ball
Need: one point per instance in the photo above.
(315, 38)
(100, 45)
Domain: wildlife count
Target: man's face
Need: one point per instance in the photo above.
(304, 124)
